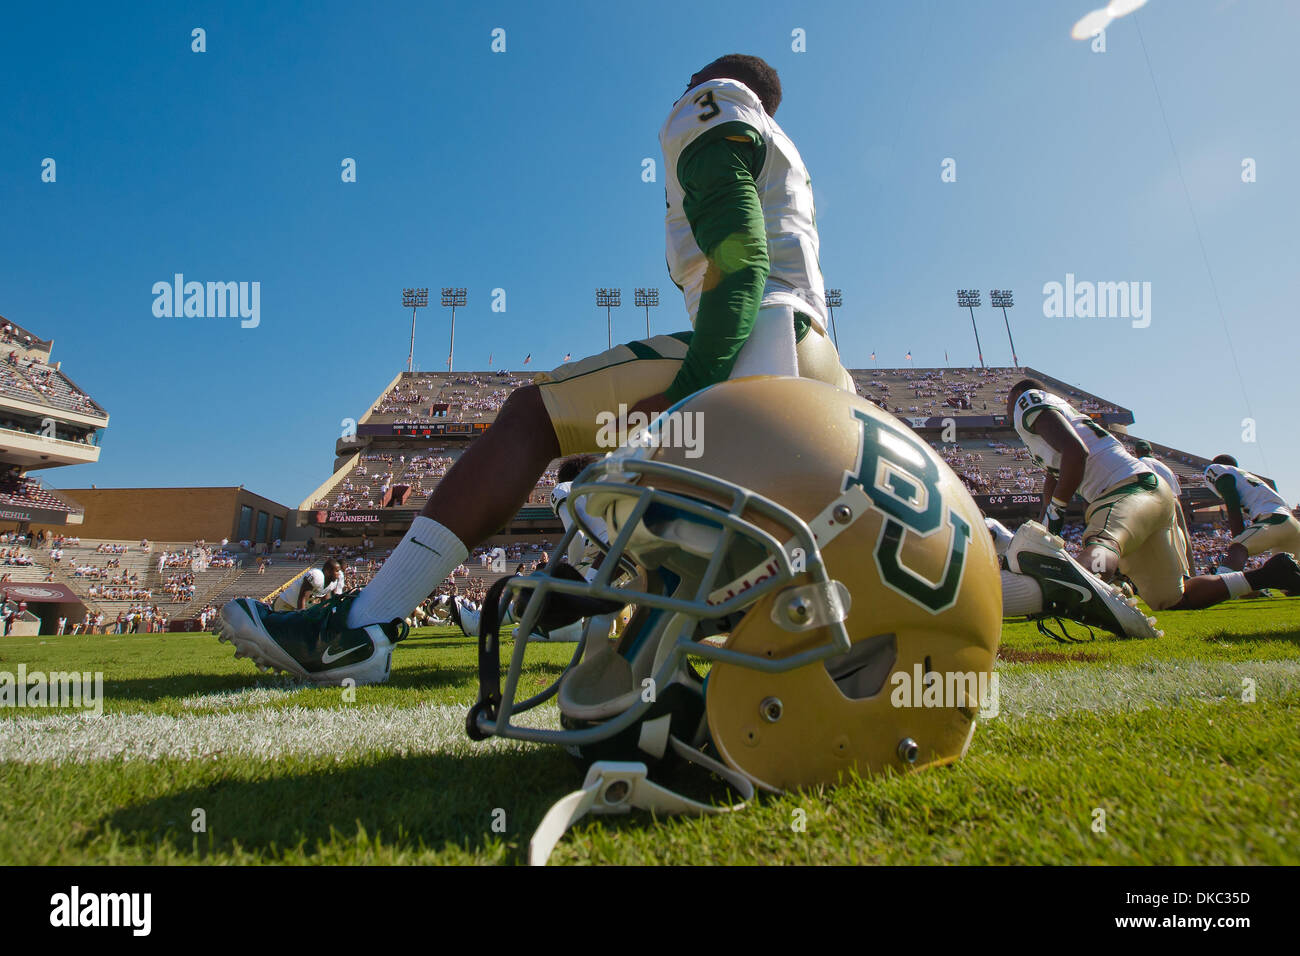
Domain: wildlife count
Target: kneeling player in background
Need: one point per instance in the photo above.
(318, 584)
(1272, 526)
(1132, 518)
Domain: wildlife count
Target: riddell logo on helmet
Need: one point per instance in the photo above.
(745, 583)
(756, 576)
(951, 689)
(677, 429)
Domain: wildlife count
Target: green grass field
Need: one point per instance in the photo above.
(1155, 734)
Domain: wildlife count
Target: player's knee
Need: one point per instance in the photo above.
(525, 412)
(523, 404)
(1168, 598)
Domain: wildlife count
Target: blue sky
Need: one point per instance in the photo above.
(522, 171)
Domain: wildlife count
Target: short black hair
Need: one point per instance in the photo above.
(1224, 460)
(571, 468)
(1026, 384)
(753, 71)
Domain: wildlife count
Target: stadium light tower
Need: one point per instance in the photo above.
(609, 299)
(647, 298)
(1001, 299)
(970, 299)
(834, 299)
(413, 299)
(452, 298)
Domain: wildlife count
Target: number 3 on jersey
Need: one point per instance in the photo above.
(709, 106)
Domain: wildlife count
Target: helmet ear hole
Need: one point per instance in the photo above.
(862, 672)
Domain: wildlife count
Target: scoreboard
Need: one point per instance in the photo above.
(438, 429)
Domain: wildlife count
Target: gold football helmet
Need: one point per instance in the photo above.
(812, 551)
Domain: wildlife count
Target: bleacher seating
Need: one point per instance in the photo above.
(30, 492)
(248, 583)
(367, 484)
(468, 397)
(956, 392)
(58, 390)
(121, 579)
(987, 453)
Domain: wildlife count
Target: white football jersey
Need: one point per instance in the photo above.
(1165, 472)
(581, 551)
(315, 577)
(1108, 463)
(784, 191)
(1002, 536)
(1257, 499)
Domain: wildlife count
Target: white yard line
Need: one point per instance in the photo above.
(262, 733)
(235, 724)
(1036, 692)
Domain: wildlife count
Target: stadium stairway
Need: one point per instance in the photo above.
(248, 583)
(143, 564)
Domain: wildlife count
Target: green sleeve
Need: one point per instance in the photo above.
(1227, 488)
(721, 204)
(1031, 416)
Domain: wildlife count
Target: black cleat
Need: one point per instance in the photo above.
(1280, 572)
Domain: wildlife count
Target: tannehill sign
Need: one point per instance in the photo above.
(9, 512)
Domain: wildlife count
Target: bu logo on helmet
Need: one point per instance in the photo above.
(902, 480)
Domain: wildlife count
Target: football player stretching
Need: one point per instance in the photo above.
(1133, 524)
(1272, 526)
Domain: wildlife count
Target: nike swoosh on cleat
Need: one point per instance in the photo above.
(328, 658)
(1087, 595)
(426, 547)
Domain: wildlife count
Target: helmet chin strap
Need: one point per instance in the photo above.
(615, 786)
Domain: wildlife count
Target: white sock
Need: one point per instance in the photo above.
(1021, 595)
(1237, 584)
(422, 561)
(770, 348)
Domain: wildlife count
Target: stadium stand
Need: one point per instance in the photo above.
(46, 421)
(422, 421)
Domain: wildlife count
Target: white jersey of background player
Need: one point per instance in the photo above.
(1165, 472)
(794, 282)
(582, 552)
(1108, 464)
(1258, 500)
(314, 582)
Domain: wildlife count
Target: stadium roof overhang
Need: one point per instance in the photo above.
(21, 407)
(36, 451)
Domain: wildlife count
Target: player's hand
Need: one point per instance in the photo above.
(651, 405)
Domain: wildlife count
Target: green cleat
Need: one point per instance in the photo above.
(315, 644)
